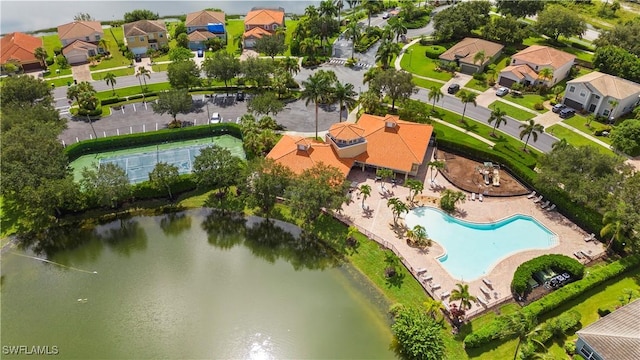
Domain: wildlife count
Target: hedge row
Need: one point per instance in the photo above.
(150, 138)
(492, 330)
(557, 262)
(434, 51)
(559, 325)
(144, 190)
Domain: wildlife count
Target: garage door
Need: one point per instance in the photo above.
(467, 69)
(503, 81)
(76, 58)
(572, 104)
(139, 50)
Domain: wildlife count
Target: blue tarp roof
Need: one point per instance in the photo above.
(216, 28)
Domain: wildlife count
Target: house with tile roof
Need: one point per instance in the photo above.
(80, 34)
(374, 141)
(613, 337)
(19, 48)
(602, 94)
(463, 53)
(204, 25)
(261, 22)
(145, 35)
(526, 65)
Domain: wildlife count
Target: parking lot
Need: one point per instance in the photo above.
(139, 117)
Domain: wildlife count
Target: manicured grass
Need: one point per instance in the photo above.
(424, 83)
(160, 67)
(477, 85)
(580, 122)
(161, 58)
(417, 63)
(133, 90)
(528, 101)
(50, 42)
(234, 28)
(117, 72)
(60, 81)
(52, 71)
(114, 37)
(291, 27)
(575, 139)
(512, 111)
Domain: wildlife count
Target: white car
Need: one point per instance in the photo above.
(385, 15)
(215, 118)
(502, 91)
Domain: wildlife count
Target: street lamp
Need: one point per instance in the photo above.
(92, 128)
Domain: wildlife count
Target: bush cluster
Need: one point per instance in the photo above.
(556, 262)
(434, 51)
(144, 190)
(559, 325)
(492, 330)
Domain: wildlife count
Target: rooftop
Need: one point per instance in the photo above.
(204, 17)
(467, 48)
(264, 17)
(79, 29)
(18, 46)
(544, 56)
(609, 85)
(143, 27)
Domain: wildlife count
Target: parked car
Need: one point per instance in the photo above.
(215, 118)
(453, 88)
(385, 15)
(567, 113)
(138, 58)
(558, 107)
(239, 96)
(200, 53)
(502, 91)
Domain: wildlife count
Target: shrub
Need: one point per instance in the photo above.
(570, 348)
(111, 100)
(425, 41)
(49, 61)
(602, 312)
(434, 51)
(480, 76)
(581, 46)
(557, 262)
(491, 331)
(145, 190)
(95, 112)
(538, 106)
(559, 325)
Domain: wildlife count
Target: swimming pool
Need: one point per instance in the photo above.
(472, 249)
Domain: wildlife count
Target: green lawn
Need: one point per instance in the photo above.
(60, 81)
(575, 139)
(114, 37)
(424, 83)
(52, 71)
(580, 122)
(512, 111)
(117, 72)
(528, 101)
(477, 85)
(133, 90)
(417, 63)
(50, 42)
(160, 67)
(234, 28)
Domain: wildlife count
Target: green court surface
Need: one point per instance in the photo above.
(139, 161)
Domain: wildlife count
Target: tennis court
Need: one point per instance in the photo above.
(139, 162)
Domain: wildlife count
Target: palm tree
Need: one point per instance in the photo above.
(523, 325)
(41, 54)
(462, 294)
(238, 40)
(345, 96)
(144, 74)
(614, 226)
(110, 78)
(369, 101)
(557, 90)
(353, 33)
(397, 208)
(560, 144)
(467, 97)
(397, 27)
(386, 52)
(328, 8)
(370, 6)
(528, 129)
(498, 116)
(435, 165)
(309, 46)
(420, 237)
(479, 57)
(291, 65)
(546, 74)
(104, 44)
(371, 74)
(384, 174)
(317, 89)
(339, 5)
(435, 94)
(415, 187)
(365, 191)
(432, 307)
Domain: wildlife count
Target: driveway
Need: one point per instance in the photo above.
(81, 73)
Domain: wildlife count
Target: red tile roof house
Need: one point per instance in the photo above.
(204, 25)
(80, 40)
(261, 22)
(463, 53)
(19, 48)
(374, 141)
(527, 64)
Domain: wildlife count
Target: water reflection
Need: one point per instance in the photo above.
(175, 223)
(124, 236)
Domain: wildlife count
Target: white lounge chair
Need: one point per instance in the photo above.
(546, 203)
(578, 255)
(435, 286)
(473, 196)
(482, 301)
(533, 193)
(480, 198)
(589, 238)
(552, 207)
(487, 282)
(421, 270)
(444, 295)
(427, 278)
(538, 199)
(485, 291)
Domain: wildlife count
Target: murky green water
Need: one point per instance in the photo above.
(191, 285)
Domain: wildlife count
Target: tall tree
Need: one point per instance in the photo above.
(459, 21)
(398, 85)
(110, 79)
(415, 188)
(271, 45)
(614, 227)
(143, 74)
(24, 90)
(140, 14)
(290, 64)
(626, 137)
(316, 89)
(173, 102)
(354, 34)
(450, 198)
(258, 71)
(41, 54)
(265, 104)
(435, 166)
(467, 97)
(546, 74)
(216, 168)
(365, 192)
(530, 128)
(397, 208)
(520, 8)
(345, 96)
(461, 292)
(418, 335)
(222, 66)
(397, 27)
(523, 325)
(164, 176)
(265, 181)
(435, 94)
(106, 185)
(556, 20)
(625, 35)
(498, 116)
(387, 50)
(183, 74)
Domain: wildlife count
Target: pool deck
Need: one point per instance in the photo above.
(378, 221)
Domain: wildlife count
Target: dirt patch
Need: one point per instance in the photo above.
(476, 177)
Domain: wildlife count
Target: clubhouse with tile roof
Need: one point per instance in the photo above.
(374, 141)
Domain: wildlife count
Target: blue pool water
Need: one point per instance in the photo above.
(472, 249)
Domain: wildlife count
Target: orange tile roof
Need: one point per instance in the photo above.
(520, 71)
(396, 148)
(204, 17)
(286, 152)
(264, 17)
(79, 44)
(200, 35)
(19, 46)
(257, 32)
(467, 48)
(346, 131)
(544, 56)
(79, 29)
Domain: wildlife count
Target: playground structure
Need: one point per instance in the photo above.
(490, 173)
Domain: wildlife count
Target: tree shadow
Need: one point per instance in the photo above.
(175, 223)
(124, 236)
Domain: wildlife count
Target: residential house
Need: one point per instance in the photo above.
(86, 33)
(613, 337)
(464, 52)
(602, 94)
(204, 25)
(145, 35)
(261, 22)
(367, 143)
(19, 48)
(526, 65)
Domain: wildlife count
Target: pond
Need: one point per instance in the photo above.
(196, 284)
